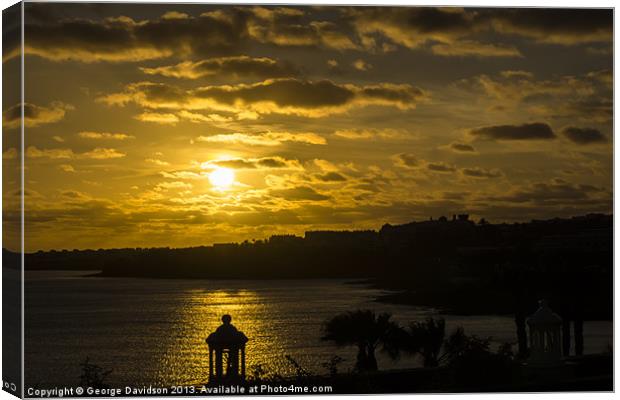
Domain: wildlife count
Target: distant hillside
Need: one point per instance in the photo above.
(453, 263)
(343, 253)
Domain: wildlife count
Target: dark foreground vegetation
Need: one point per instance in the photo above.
(452, 363)
(454, 264)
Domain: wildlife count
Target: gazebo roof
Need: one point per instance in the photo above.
(226, 335)
(544, 316)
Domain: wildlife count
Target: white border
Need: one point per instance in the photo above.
(478, 3)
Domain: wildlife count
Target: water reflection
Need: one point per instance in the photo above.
(153, 331)
(200, 315)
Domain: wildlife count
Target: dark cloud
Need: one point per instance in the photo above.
(440, 167)
(584, 135)
(462, 148)
(589, 109)
(477, 172)
(533, 131)
(124, 39)
(554, 25)
(299, 193)
(291, 26)
(229, 30)
(219, 31)
(331, 177)
(283, 96)
(34, 115)
(238, 67)
(451, 29)
(256, 163)
(11, 31)
(407, 160)
(413, 26)
(282, 92)
(552, 193)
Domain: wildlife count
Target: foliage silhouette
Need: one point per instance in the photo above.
(426, 338)
(332, 365)
(367, 331)
(93, 375)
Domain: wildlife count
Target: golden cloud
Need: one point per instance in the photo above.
(462, 48)
(98, 153)
(237, 67)
(158, 118)
(264, 139)
(104, 135)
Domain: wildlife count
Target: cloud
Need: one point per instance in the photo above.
(449, 30)
(584, 135)
(464, 48)
(361, 65)
(10, 154)
(406, 160)
(238, 67)
(280, 96)
(555, 192)
(555, 25)
(518, 74)
(366, 134)
(175, 15)
(101, 153)
(299, 193)
(589, 109)
(157, 161)
(124, 39)
(412, 27)
(287, 26)
(229, 30)
(521, 86)
(222, 31)
(66, 168)
(477, 172)
(586, 96)
(198, 118)
(440, 167)
(158, 118)
(104, 135)
(254, 163)
(34, 115)
(264, 139)
(533, 131)
(34, 152)
(98, 153)
(462, 147)
(165, 186)
(331, 177)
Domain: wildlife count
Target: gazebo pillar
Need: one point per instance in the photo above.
(545, 338)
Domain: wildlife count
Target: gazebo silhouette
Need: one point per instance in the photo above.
(227, 344)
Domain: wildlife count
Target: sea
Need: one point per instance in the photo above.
(152, 331)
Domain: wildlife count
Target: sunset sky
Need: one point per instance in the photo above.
(182, 125)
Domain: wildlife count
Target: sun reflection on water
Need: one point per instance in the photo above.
(186, 358)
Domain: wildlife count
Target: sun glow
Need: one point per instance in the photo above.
(222, 178)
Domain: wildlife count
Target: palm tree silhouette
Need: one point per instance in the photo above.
(426, 338)
(367, 331)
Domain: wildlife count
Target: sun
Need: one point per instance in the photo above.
(222, 178)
